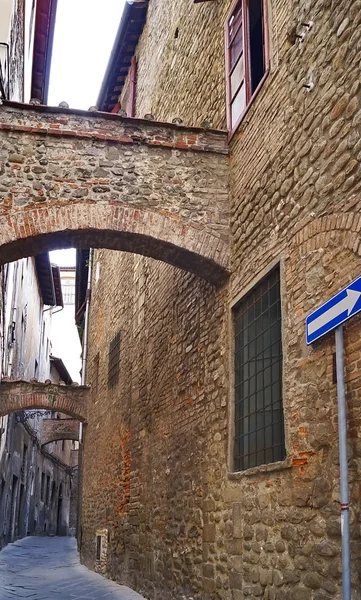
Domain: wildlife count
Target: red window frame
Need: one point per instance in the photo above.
(249, 95)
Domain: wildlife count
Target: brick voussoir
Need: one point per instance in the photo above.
(18, 395)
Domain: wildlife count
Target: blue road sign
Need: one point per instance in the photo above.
(335, 311)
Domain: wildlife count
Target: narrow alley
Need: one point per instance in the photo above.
(48, 568)
(180, 299)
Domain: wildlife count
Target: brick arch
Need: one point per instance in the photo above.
(16, 396)
(54, 430)
(97, 180)
(116, 227)
(342, 228)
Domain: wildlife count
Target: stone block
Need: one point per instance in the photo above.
(209, 532)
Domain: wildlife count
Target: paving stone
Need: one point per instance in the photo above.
(49, 569)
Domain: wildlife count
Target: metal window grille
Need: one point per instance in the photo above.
(259, 426)
(114, 361)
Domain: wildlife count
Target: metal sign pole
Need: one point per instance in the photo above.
(342, 434)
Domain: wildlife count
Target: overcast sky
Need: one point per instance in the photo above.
(84, 35)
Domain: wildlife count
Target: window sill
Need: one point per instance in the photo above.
(282, 465)
(233, 131)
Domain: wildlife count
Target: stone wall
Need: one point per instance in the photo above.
(102, 181)
(182, 50)
(154, 430)
(182, 524)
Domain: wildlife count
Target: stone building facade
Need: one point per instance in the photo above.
(210, 463)
(36, 466)
(35, 479)
(170, 508)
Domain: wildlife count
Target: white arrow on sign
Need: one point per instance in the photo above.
(347, 303)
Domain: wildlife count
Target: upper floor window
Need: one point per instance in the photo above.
(246, 56)
(259, 429)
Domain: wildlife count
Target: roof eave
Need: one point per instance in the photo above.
(42, 52)
(45, 278)
(57, 286)
(119, 41)
(62, 370)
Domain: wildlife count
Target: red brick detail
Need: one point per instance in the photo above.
(97, 180)
(16, 396)
(53, 430)
(161, 236)
(113, 128)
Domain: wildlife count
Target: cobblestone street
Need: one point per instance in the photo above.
(45, 568)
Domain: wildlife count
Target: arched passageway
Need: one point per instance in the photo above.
(73, 179)
(16, 396)
(55, 430)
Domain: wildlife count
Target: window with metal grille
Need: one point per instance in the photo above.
(259, 427)
(114, 361)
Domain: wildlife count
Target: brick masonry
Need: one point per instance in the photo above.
(182, 524)
(59, 429)
(16, 396)
(101, 181)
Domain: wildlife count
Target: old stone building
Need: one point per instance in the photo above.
(38, 457)
(35, 469)
(210, 456)
(216, 424)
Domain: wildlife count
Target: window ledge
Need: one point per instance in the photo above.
(282, 465)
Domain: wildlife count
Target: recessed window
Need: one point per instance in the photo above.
(114, 361)
(259, 427)
(99, 547)
(96, 364)
(47, 495)
(246, 56)
(42, 488)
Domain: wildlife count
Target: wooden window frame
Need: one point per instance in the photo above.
(246, 52)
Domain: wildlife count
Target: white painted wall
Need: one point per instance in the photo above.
(6, 7)
(65, 339)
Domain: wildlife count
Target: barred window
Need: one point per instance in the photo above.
(259, 426)
(114, 361)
